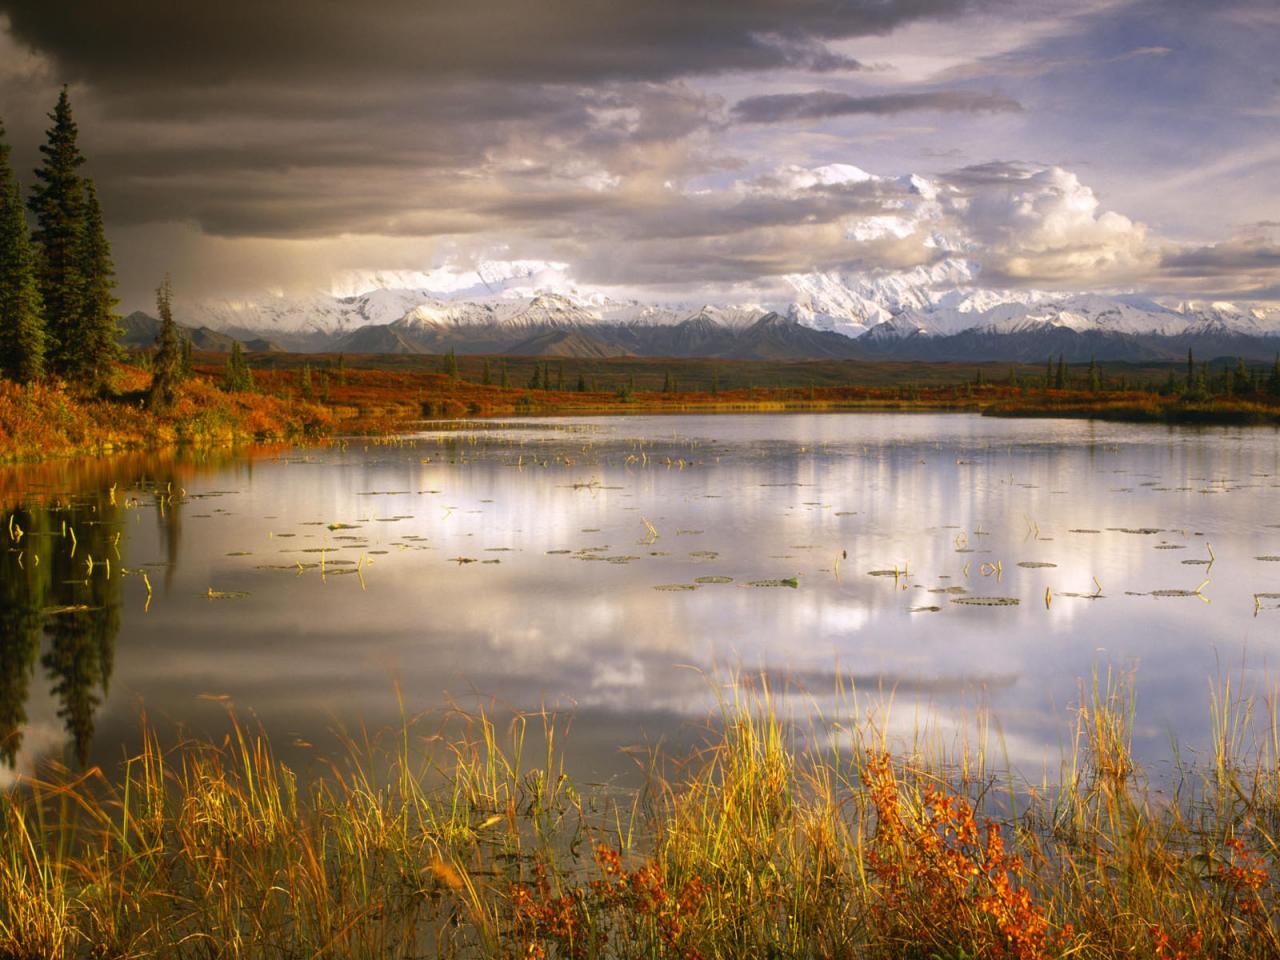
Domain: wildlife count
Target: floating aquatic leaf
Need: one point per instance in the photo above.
(791, 582)
(553, 553)
(713, 579)
(952, 590)
(1035, 564)
(675, 587)
(925, 609)
(704, 554)
(987, 601)
(1268, 558)
(82, 607)
(226, 594)
(884, 573)
(240, 553)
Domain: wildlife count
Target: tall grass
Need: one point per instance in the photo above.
(778, 838)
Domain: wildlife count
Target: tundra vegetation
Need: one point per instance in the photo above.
(778, 837)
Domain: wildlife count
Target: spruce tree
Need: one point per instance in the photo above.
(238, 376)
(1095, 377)
(167, 365)
(188, 360)
(58, 205)
(307, 389)
(100, 344)
(22, 337)
(1060, 381)
(582, 382)
(505, 380)
(486, 378)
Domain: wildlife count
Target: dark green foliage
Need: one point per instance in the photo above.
(73, 264)
(486, 377)
(167, 366)
(449, 365)
(546, 376)
(560, 376)
(1095, 377)
(238, 376)
(1273, 384)
(1060, 379)
(22, 336)
(307, 389)
(188, 361)
(1191, 368)
(58, 205)
(535, 382)
(1048, 373)
(582, 382)
(668, 384)
(505, 380)
(99, 344)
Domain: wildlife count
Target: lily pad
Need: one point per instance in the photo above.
(713, 579)
(1035, 564)
(791, 582)
(675, 587)
(987, 601)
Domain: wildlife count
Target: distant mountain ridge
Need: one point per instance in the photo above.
(934, 312)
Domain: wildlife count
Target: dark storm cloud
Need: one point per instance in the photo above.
(821, 104)
(1235, 257)
(129, 44)
(304, 118)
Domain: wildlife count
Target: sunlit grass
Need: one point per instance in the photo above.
(779, 837)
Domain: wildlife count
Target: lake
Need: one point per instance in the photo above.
(621, 569)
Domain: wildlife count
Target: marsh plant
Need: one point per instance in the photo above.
(777, 838)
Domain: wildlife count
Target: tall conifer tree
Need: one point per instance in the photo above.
(22, 338)
(168, 361)
(100, 345)
(58, 205)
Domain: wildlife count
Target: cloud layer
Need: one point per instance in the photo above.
(662, 145)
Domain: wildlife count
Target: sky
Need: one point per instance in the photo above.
(671, 148)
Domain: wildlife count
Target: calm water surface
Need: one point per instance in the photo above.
(547, 562)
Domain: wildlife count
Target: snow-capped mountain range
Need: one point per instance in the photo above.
(499, 305)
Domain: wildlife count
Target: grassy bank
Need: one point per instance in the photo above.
(43, 421)
(778, 839)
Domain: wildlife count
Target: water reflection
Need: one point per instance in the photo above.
(60, 591)
(516, 567)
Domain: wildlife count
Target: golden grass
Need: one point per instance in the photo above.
(779, 838)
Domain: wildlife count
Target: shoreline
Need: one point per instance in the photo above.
(44, 422)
